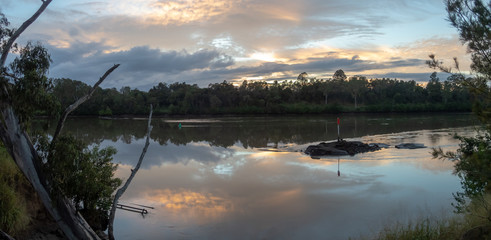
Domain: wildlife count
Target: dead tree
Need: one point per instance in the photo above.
(19, 145)
(120, 191)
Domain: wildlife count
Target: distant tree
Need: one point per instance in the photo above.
(356, 85)
(339, 75)
(434, 88)
(303, 77)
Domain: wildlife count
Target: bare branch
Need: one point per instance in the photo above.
(120, 191)
(81, 100)
(436, 64)
(5, 236)
(21, 29)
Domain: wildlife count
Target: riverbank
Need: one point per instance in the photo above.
(292, 109)
(468, 226)
(23, 216)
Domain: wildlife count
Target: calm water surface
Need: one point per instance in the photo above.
(246, 177)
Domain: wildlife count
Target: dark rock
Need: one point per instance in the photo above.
(320, 150)
(410, 146)
(340, 148)
(380, 145)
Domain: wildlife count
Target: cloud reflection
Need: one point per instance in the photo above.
(205, 205)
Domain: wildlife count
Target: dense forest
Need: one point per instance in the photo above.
(303, 95)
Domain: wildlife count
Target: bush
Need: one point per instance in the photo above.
(86, 176)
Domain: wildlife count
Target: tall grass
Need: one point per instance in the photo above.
(13, 212)
(443, 228)
(424, 229)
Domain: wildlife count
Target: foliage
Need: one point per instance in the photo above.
(339, 75)
(72, 170)
(24, 81)
(5, 32)
(258, 97)
(13, 213)
(83, 175)
(31, 88)
(472, 166)
(472, 18)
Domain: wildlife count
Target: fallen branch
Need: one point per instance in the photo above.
(120, 191)
(5, 236)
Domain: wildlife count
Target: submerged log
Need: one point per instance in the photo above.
(340, 148)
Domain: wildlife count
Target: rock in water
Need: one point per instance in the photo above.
(410, 146)
(339, 148)
(380, 145)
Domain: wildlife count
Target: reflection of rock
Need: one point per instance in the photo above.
(410, 145)
(340, 148)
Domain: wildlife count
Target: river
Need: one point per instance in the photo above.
(247, 178)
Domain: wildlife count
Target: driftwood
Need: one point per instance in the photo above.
(120, 191)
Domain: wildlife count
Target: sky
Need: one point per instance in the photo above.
(209, 41)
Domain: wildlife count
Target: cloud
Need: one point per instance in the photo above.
(143, 67)
(204, 41)
(87, 61)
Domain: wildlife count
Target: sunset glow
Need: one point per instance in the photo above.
(239, 40)
(265, 57)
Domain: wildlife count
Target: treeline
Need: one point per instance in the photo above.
(339, 94)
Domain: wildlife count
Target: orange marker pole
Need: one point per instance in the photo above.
(338, 128)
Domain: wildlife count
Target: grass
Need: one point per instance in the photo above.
(443, 228)
(13, 212)
(424, 229)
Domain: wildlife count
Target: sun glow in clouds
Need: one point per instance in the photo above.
(265, 57)
(186, 11)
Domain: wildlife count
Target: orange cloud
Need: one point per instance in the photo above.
(186, 11)
(205, 203)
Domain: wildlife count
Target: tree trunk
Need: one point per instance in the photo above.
(21, 149)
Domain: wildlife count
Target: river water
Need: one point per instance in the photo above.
(247, 178)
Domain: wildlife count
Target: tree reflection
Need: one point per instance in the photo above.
(255, 132)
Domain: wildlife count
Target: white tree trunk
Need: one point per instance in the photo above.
(20, 147)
